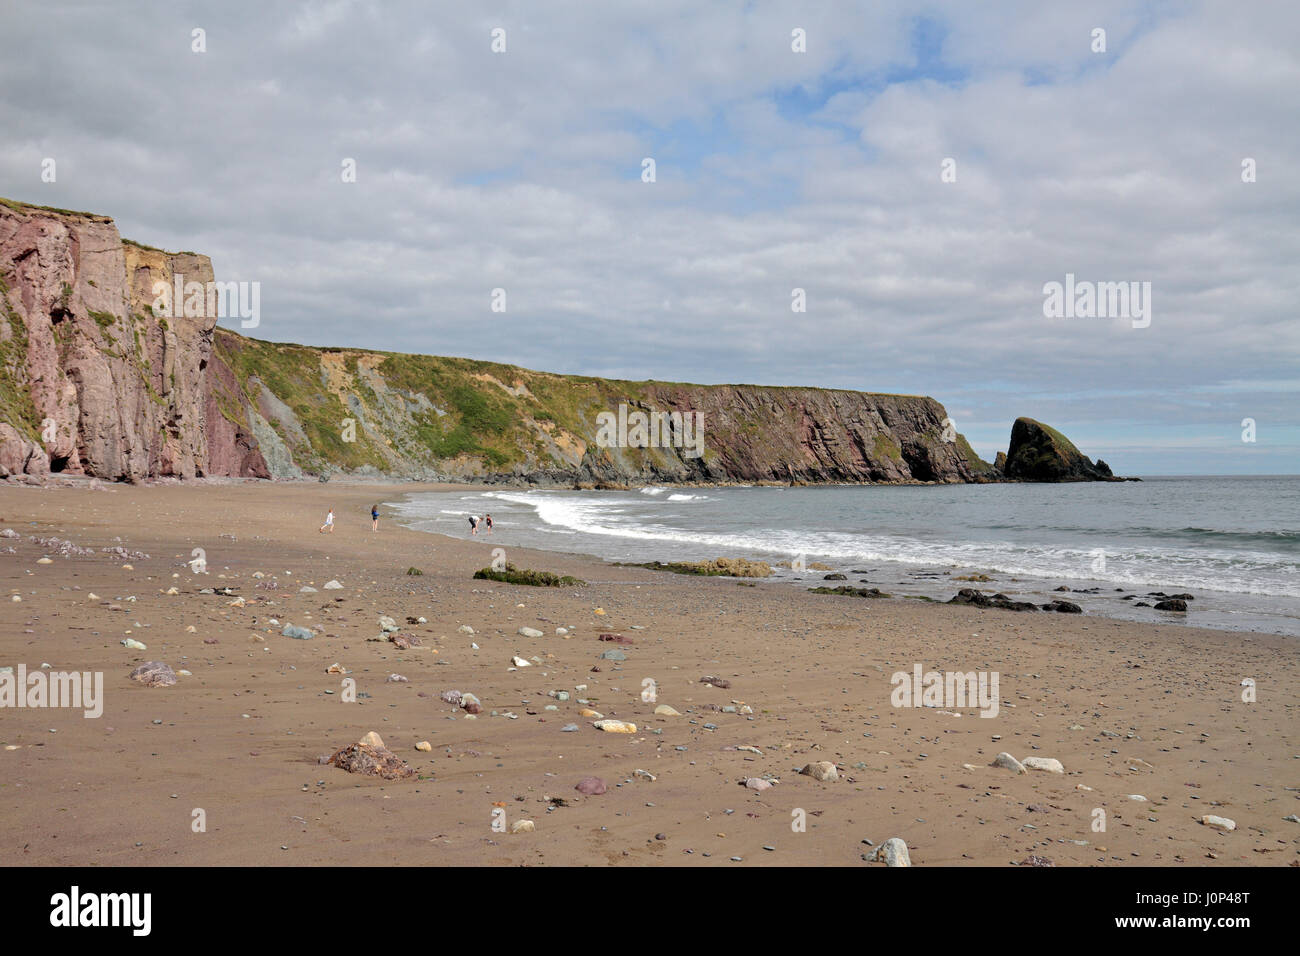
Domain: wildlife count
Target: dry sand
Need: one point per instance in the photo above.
(1158, 708)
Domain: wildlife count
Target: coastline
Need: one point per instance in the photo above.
(1158, 707)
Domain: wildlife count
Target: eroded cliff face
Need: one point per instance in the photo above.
(91, 381)
(317, 411)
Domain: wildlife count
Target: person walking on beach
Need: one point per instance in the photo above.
(487, 520)
(328, 526)
(374, 517)
(473, 525)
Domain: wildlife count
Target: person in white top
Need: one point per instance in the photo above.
(329, 523)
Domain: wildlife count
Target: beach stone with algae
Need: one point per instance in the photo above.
(371, 758)
(154, 674)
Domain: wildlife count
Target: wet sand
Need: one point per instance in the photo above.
(1158, 707)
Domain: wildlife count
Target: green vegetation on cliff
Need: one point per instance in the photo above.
(16, 407)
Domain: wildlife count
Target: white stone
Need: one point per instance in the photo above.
(1219, 823)
(1049, 764)
(1008, 762)
(822, 770)
(893, 851)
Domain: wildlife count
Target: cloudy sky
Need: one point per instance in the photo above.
(775, 170)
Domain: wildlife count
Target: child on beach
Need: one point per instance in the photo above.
(473, 525)
(374, 517)
(487, 520)
(329, 523)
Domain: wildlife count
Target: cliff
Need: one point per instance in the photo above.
(91, 382)
(95, 380)
(316, 411)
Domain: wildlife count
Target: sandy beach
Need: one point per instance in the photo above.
(1129, 710)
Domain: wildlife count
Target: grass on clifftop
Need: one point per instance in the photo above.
(1063, 444)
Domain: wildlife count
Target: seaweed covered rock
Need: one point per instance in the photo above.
(851, 591)
(154, 674)
(370, 757)
(542, 579)
(718, 567)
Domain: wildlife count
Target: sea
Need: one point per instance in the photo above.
(1231, 542)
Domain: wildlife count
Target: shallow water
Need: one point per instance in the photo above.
(1234, 542)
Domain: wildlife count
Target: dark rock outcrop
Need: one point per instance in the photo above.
(1039, 452)
(976, 598)
(1064, 607)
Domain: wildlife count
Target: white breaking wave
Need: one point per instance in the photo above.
(619, 518)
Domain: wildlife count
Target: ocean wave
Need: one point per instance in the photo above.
(1241, 562)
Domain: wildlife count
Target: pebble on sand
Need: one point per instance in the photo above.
(424, 746)
(1049, 764)
(132, 644)
(591, 786)
(615, 726)
(297, 633)
(822, 770)
(1008, 762)
(523, 826)
(387, 624)
(520, 662)
(1219, 823)
(757, 783)
(332, 586)
(663, 710)
(530, 632)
